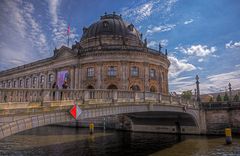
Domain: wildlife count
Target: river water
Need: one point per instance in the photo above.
(58, 141)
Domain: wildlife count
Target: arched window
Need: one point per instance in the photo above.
(90, 87)
(134, 71)
(112, 71)
(14, 84)
(27, 83)
(42, 78)
(105, 24)
(50, 78)
(135, 88)
(35, 80)
(21, 83)
(112, 86)
(9, 84)
(153, 89)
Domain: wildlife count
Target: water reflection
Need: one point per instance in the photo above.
(71, 141)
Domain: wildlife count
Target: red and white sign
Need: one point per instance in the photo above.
(75, 111)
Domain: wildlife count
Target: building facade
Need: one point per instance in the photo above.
(111, 54)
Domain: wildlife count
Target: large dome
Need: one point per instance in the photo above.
(110, 30)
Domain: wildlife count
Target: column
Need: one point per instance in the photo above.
(76, 80)
(98, 75)
(146, 77)
(80, 73)
(125, 72)
(71, 77)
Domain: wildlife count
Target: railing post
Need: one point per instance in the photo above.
(170, 99)
(160, 97)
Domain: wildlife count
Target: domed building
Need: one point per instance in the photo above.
(111, 54)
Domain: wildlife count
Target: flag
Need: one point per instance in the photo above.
(68, 30)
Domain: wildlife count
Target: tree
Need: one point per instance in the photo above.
(226, 98)
(187, 94)
(219, 98)
(236, 98)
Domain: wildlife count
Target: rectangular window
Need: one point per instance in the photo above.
(34, 80)
(50, 78)
(152, 73)
(90, 72)
(42, 79)
(134, 71)
(20, 83)
(14, 84)
(112, 71)
(27, 82)
(9, 84)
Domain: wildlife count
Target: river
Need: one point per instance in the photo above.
(58, 141)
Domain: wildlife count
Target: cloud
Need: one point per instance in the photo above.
(179, 66)
(197, 50)
(23, 39)
(59, 25)
(210, 84)
(188, 22)
(141, 10)
(237, 65)
(164, 42)
(200, 60)
(161, 28)
(155, 44)
(232, 45)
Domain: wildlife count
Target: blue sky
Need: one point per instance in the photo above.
(202, 36)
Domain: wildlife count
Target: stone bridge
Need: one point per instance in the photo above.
(23, 109)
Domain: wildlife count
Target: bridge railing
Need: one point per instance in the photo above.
(88, 96)
(220, 105)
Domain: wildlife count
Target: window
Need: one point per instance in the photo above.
(42, 79)
(27, 82)
(152, 73)
(134, 71)
(21, 83)
(14, 84)
(35, 80)
(50, 78)
(112, 71)
(9, 84)
(105, 24)
(90, 72)
(3, 85)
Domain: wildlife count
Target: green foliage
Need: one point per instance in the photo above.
(219, 98)
(187, 94)
(236, 98)
(226, 98)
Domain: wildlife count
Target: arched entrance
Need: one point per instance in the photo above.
(153, 89)
(112, 86)
(135, 88)
(90, 87)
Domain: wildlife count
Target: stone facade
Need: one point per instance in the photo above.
(108, 56)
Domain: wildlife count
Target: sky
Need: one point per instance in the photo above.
(202, 37)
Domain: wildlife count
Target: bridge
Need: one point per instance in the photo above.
(23, 109)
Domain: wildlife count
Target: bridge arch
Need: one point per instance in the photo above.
(43, 119)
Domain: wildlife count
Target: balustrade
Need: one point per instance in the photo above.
(101, 96)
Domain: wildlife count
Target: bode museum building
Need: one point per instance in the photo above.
(110, 55)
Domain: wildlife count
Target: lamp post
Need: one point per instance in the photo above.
(197, 86)
(230, 91)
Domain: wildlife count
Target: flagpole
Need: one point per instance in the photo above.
(68, 33)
